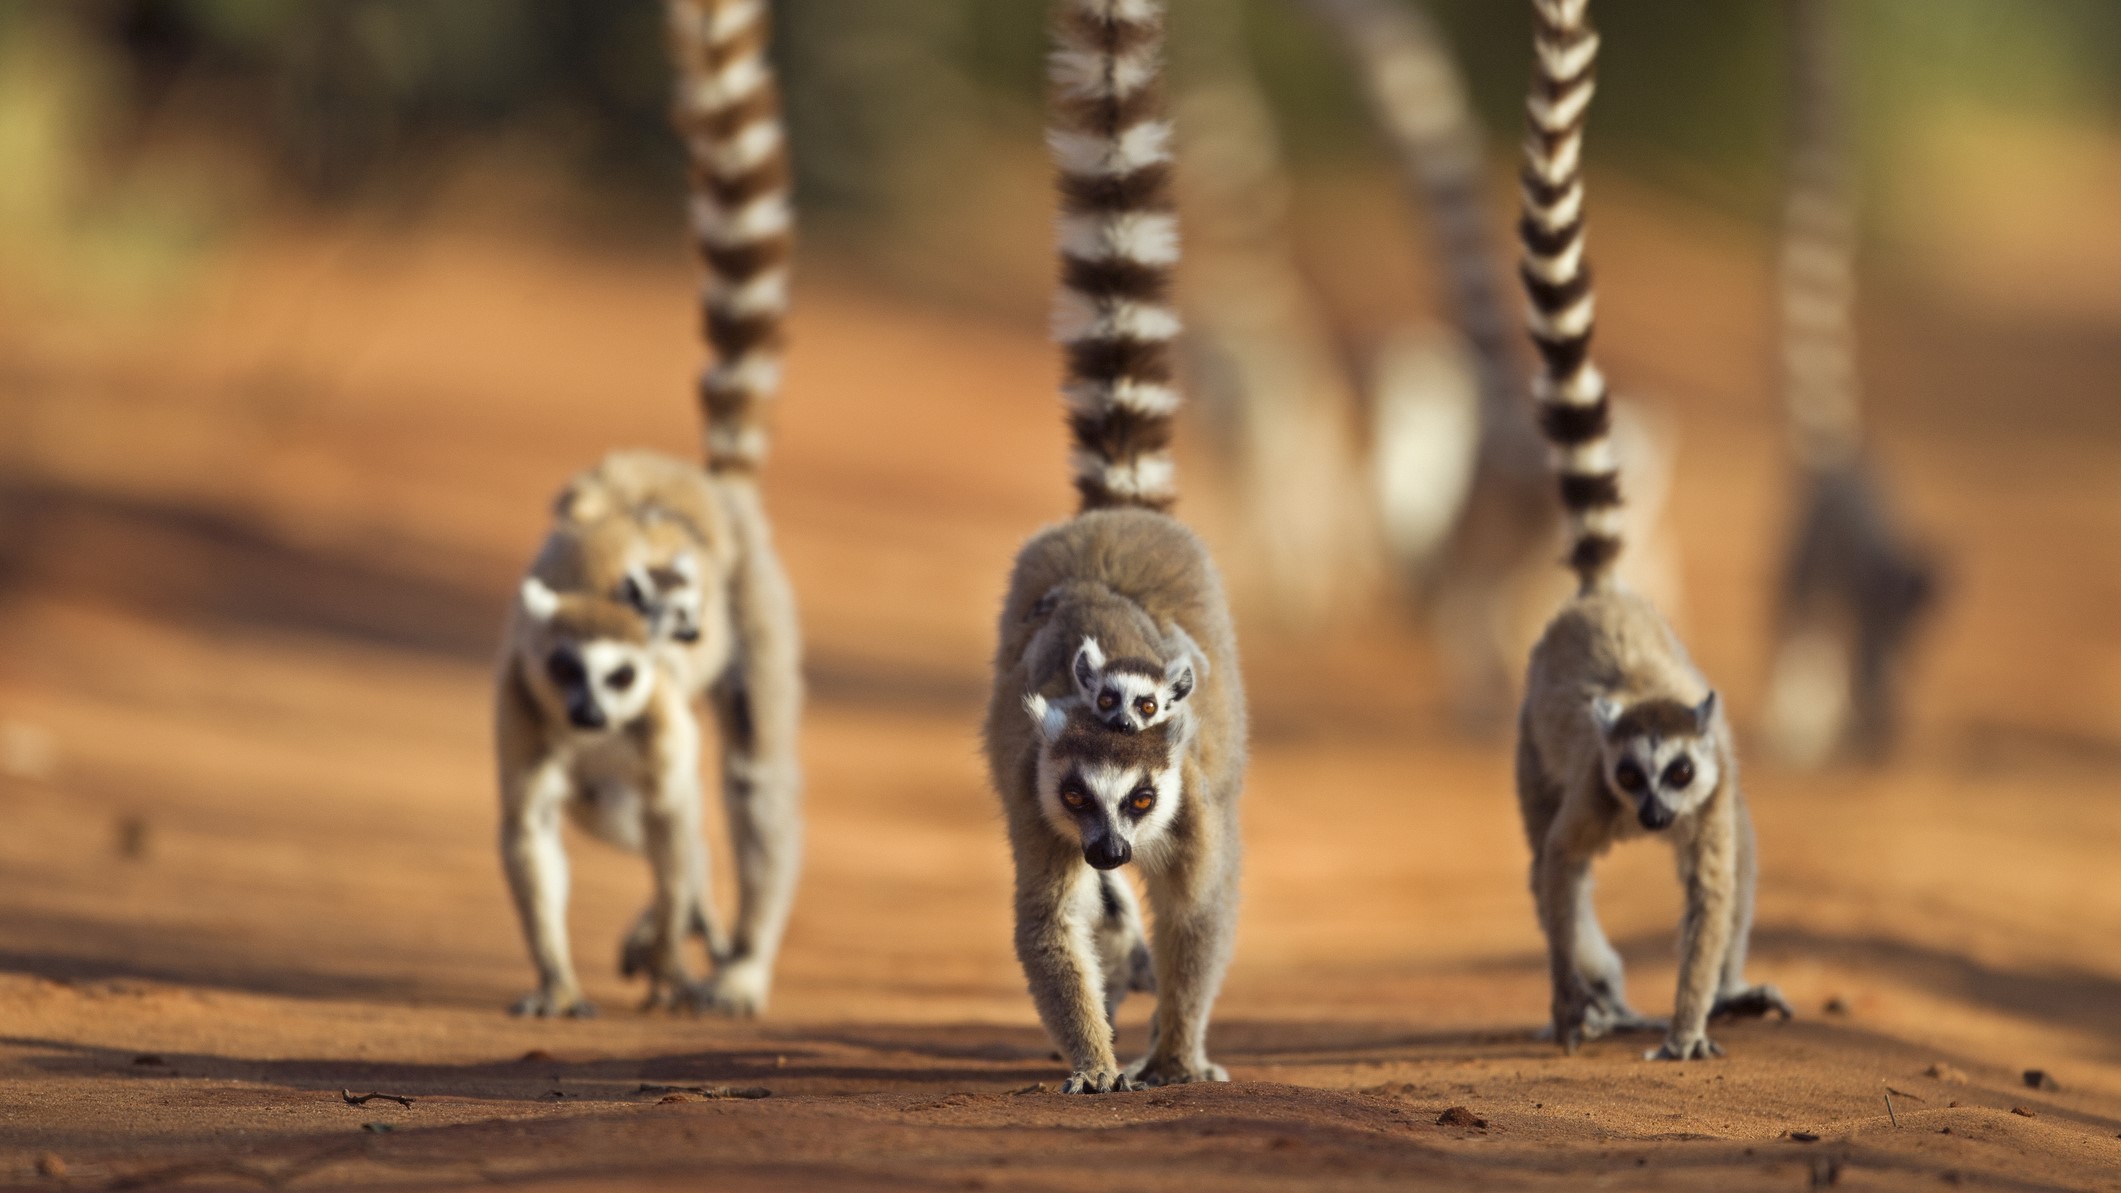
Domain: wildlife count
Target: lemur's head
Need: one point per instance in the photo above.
(586, 656)
(1661, 756)
(1111, 792)
(1131, 695)
(672, 577)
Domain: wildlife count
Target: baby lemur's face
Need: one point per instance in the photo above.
(587, 656)
(1112, 792)
(1130, 695)
(669, 595)
(1661, 757)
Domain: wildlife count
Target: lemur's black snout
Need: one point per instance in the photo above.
(1108, 853)
(586, 716)
(1654, 815)
(687, 634)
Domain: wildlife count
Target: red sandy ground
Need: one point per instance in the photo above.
(255, 559)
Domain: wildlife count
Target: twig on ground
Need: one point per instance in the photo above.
(354, 1099)
(1889, 1111)
(709, 1091)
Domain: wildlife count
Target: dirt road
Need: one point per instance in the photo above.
(254, 563)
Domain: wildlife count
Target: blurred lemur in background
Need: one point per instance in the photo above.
(1854, 588)
(1081, 797)
(1461, 480)
(658, 586)
(1620, 735)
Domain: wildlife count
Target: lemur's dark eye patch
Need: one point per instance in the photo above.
(1146, 706)
(1630, 777)
(622, 678)
(1074, 798)
(1680, 773)
(565, 669)
(1107, 700)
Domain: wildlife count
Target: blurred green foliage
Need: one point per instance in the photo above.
(890, 100)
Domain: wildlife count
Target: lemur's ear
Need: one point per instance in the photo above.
(1178, 677)
(1089, 660)
(686, 565)
(582, 503)
(1705, 712)
(1606, 711)
(636, 590)
(538, 600)
(1050, 718)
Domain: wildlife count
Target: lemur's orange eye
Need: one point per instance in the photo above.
(1074, 798)
(1141, 801)
(1146, 706)
(1107, 701)
(1680, 774)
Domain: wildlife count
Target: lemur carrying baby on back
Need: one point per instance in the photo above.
(658, 586)
(1116, 730)
(1619, 735)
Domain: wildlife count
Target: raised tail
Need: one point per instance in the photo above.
(1819, 382)
(1419, 100)
(728, 111)
(1574, 410)
(1118, 247)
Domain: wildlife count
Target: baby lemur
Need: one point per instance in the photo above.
(1620, 735)
(1120, 590)
(1130, 694)
(659, 585)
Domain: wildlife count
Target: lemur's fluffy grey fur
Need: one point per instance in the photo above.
(1619, 734)
(1124, 579)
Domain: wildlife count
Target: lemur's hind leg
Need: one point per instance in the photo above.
(1122, 947)
(758, 705)
(1604, 980)
(638, 951)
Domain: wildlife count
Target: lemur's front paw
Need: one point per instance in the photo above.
(737, 990)
(1685, 1048)
(1753, 1002)
(551, 1004)
(1099, 1081)
(1154, 1070)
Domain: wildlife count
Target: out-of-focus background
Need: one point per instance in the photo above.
(307, 309)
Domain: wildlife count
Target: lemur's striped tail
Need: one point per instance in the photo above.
(1819, 382)
(1118, 247)
(728, 111)
(1573, 407)
(1419, 100)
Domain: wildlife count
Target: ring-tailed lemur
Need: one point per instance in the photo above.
(1461, 477)
(718, 620)
(1082, 799)
(1853, 587)
(1619, 734)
